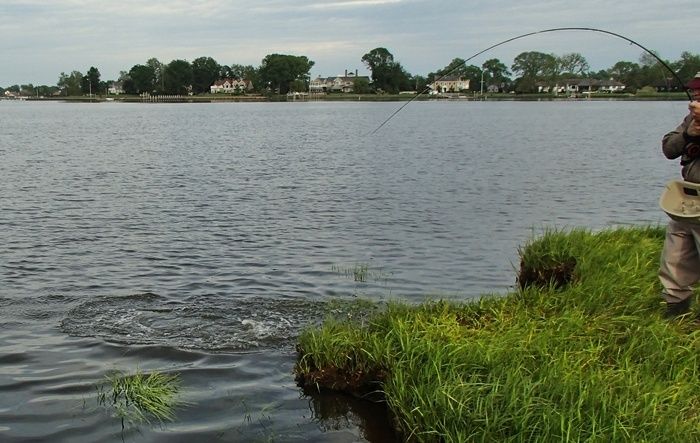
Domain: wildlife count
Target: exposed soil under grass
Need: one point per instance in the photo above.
(558, 274)
(366, 385)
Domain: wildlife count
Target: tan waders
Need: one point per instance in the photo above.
(680, 259)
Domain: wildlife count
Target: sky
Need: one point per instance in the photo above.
(40, 39)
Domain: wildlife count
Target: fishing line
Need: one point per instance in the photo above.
(528, 35)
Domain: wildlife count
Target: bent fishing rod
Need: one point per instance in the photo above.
(648, 51)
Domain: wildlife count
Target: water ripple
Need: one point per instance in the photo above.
(204, 323)
(226, 234)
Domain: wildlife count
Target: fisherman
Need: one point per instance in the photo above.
(680, 259)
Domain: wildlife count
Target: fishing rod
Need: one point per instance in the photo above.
(663, 63)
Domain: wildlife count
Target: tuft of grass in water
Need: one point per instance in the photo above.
(140, 398)
(360, 272)
(590, 360)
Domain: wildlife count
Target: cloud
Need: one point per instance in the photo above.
(44, 37)
(353, 4)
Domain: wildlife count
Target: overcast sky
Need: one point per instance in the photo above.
(39, 39)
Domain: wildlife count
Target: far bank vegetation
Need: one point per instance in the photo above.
(281, 74)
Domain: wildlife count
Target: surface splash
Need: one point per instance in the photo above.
(206, 323)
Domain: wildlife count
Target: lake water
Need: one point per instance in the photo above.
(199, 239)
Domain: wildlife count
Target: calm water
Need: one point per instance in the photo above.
(200, 238)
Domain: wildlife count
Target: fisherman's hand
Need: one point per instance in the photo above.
(694, 126)
(694, 108)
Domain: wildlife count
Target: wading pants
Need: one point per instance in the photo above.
(680, 260)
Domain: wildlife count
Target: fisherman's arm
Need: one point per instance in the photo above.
(673, 143)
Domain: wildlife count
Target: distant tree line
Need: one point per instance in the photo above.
(530, 68)
(283, 73)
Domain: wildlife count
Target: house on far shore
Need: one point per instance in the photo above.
(339, 83)
(580, 86)
(115, 88)
(231, 85)
(450, 83)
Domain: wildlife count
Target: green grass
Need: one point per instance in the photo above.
(140, 398)
(588, 360)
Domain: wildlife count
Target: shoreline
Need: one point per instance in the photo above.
(352, 97)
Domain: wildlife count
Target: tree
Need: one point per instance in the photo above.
(360, 85)
(473, 73)
(496, 73)
(387, 75)
(687, 66)
(399, 79)
(90, 83)
(45, 90)
(126, 82)
(626, 73)
(70, 84)
(391, 78)
(572, 63)
(279, 71)
(533, 66)
(652, 73)
(376, 59)
(457, 68)
(298, 86)
(240, 71)
(646, 59)
(205, 71)
(142, 79)
(27, 89)
(177, 77)
(603, 74)
(623, 69)
(159, 69)
(420, 83)
(380, 62)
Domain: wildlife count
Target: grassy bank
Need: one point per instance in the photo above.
(584, 357)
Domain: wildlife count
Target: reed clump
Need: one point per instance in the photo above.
(591, 359)
(140, 397)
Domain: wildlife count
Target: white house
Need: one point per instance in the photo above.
(450, 83)
(115, 88)
(231, 85)
(339, 83)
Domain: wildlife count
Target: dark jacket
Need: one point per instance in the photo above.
(673, 146)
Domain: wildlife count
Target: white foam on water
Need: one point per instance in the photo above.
(225, 325)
